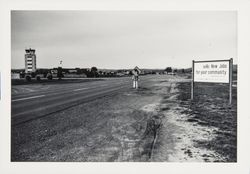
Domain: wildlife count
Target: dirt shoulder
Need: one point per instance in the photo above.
(203, 130)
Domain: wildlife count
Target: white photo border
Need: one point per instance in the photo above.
(243, 144)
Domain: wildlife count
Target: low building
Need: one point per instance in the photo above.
(15, 75)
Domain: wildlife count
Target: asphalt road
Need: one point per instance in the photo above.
(50, 98)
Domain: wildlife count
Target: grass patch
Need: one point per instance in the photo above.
(210, 108)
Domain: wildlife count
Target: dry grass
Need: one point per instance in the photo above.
(122, 127)
(210, 108)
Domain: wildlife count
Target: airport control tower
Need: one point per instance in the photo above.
(30, 60)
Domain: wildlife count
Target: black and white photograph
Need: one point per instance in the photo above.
(114, 86)
(123, 86)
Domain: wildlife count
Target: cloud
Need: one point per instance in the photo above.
(120, 39)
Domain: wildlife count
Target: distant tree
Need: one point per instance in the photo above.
(168, 70)
(78, 71)
(45, 74)
(66, 71)
(28, 78)
(183, 70)
(38, 78)
(39, 71)
(59, 73)
(22, 74)
(49, 76)
(94, 71)
(33, 74)
(87, 72)
(175, 70)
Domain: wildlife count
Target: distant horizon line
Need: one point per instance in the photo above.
(113, 68)
(103, 68)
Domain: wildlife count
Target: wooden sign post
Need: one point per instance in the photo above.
(230, 80)
(192, 83)
(214, 71)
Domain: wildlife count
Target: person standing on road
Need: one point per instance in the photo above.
(135, 78)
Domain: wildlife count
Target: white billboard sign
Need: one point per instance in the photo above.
(211, 71)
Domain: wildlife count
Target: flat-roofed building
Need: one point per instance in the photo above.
(30, 60)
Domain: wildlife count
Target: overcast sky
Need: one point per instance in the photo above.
(123, 39)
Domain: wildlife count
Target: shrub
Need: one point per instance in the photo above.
(28, 78)
(49, 76)
(33, 75)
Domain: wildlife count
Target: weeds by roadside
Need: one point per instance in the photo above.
(211, 108)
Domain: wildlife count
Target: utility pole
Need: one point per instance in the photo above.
(60, 64)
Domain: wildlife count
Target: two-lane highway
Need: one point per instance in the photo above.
(39, 103)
